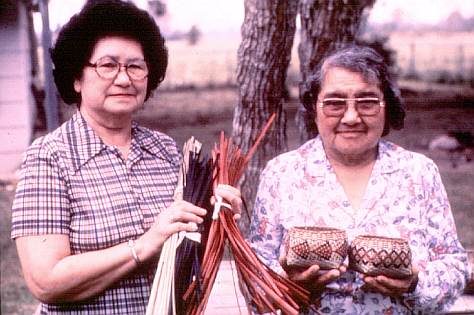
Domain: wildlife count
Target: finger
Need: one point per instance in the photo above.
(186, 217)
(231, 195)
(371, 285)
(227, 190)
(375, 286)
(394, 284)
(342, 269)
(282, 261)
(184, 206)
(284, 274)
(328, 276)
(309, 274)
(183, 226)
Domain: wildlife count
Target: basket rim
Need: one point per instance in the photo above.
(381, 238)
(311, 228)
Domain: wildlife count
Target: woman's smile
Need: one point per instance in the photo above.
(351, 133)
(122, 95)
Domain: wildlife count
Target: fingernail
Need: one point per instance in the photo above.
(193, 226)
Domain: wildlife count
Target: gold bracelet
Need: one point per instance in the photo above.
(131, 245)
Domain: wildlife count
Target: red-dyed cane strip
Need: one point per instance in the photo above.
(267, 290)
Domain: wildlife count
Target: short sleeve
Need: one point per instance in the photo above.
(41, 204)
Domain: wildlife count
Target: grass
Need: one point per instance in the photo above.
(204, 113)
(459, 183)
(15, 297)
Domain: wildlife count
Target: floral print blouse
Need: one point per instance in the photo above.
(405, 198)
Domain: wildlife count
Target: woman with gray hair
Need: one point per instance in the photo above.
(347, 177)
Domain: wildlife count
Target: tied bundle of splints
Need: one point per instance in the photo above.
(187, 268)
(182, 253)
(263, 288)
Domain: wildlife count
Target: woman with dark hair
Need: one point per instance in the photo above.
(349, 178)
(94, 203)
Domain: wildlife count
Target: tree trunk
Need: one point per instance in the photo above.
(264, 55)
(325, 26)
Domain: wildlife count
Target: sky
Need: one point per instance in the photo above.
(420, 11)
(227, 15)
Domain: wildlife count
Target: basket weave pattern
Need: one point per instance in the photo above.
(376, 255)
(306, 246)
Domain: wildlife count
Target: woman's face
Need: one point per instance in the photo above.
(350, 135)
(116, 97)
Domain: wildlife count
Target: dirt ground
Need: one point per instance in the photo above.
(431, 110)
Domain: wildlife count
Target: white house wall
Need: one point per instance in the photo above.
(16, 102)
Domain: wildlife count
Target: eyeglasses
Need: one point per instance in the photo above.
(365, 106)
(108, 68)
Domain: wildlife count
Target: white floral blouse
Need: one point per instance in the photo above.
(404, 198)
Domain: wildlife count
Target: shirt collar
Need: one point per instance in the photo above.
(318, 164)
(84, 143)
(388, 158)
(151, 142)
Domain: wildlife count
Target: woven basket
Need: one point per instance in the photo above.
(323, 246)
(378, 255)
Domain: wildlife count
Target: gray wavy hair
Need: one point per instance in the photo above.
(372, 67)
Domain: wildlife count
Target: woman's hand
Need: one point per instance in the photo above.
(390, 286)
(232, 195)
(313, 278)
(180, 216)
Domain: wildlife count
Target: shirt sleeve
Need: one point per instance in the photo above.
(442, 278)
(266, 232)
(41, 204)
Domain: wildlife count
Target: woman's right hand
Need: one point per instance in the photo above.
(180, 216)
(312, 278)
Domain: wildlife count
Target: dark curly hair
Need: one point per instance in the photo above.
(99, 19)
(372, 67)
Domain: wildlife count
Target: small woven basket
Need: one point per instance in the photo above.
(323, 246)
(378, 255)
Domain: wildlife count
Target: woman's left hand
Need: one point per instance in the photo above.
(232, 195)
(391, 286)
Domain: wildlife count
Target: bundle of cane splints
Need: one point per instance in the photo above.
(189, 262)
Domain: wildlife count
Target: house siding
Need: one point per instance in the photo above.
(17, 108)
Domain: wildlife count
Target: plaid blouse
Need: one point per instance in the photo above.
(405, 198)
(73, 183)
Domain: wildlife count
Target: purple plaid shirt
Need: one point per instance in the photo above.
(73, 183)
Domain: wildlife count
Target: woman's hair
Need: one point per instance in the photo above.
(99, 19)
(371, 66)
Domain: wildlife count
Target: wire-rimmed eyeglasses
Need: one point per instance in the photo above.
(108, 68)
(337, 106)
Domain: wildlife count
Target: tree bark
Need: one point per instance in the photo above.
(326, 25)
(264, 55)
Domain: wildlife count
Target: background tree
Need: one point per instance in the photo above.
(263, 58)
